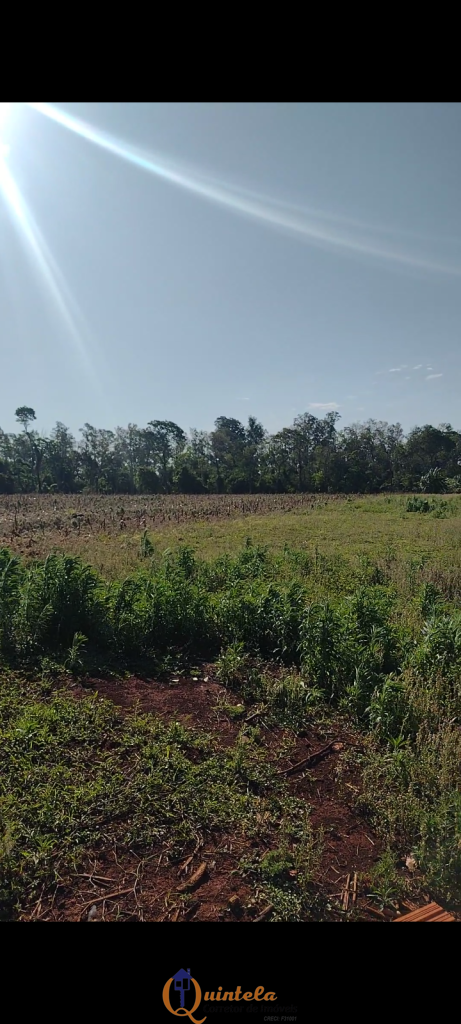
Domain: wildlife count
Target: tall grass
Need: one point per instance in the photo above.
(279, 607)
(358, 649)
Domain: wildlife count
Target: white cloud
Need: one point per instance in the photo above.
(242, 399)
(351, 398)
(418, 367)
(323, 405)
(428, 367)
(360, 408)
(407, 378)
(432, 376)
(395, 369)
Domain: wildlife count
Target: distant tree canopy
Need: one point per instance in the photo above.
(310, 455)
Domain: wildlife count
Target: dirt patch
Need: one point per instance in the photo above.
(193, 702)
(349, 844)
(331, 790)
(122, 886)
(118, 886)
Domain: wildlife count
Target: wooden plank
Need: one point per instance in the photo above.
(420, 912)
(430, 913)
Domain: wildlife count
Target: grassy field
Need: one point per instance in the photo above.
(108, 532)
(215, 708)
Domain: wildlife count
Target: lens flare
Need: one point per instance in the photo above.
(317, 229)
(48, 272)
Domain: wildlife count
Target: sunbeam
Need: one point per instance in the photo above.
(49, 273)
(266, 211)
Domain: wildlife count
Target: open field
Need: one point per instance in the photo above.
(221, 707)
(107, 531)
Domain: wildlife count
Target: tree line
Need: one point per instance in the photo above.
(310, 455)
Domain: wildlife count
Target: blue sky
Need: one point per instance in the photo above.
(185, 261)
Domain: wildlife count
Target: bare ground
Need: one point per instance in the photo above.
(121, 886)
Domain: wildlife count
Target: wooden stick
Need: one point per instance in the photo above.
(99, 879)
(265, 913)
(255, 714)
(308, 762)
(194, 879)
(407, 906)
(346, 893)
(107, 896)
(354, 888)
(190, 911)
(183, 867)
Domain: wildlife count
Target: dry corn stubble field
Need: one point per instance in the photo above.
(107, 530)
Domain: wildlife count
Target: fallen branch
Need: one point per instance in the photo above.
(255, 714)
(309, 762)
(107, 896)
(98, 879)
(194, 879)
(265, 913)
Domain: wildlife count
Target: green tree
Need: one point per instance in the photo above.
(187, 482)
(101, 463)
(147, 480)
(165, 441)
(128, 449)
(227, 448)
(25, 415)
(62, 461)
(431, 448)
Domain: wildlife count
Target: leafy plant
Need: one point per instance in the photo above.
(232, 665)
(276, 865)
(146, 547)
(386, 884)
(74, 657)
